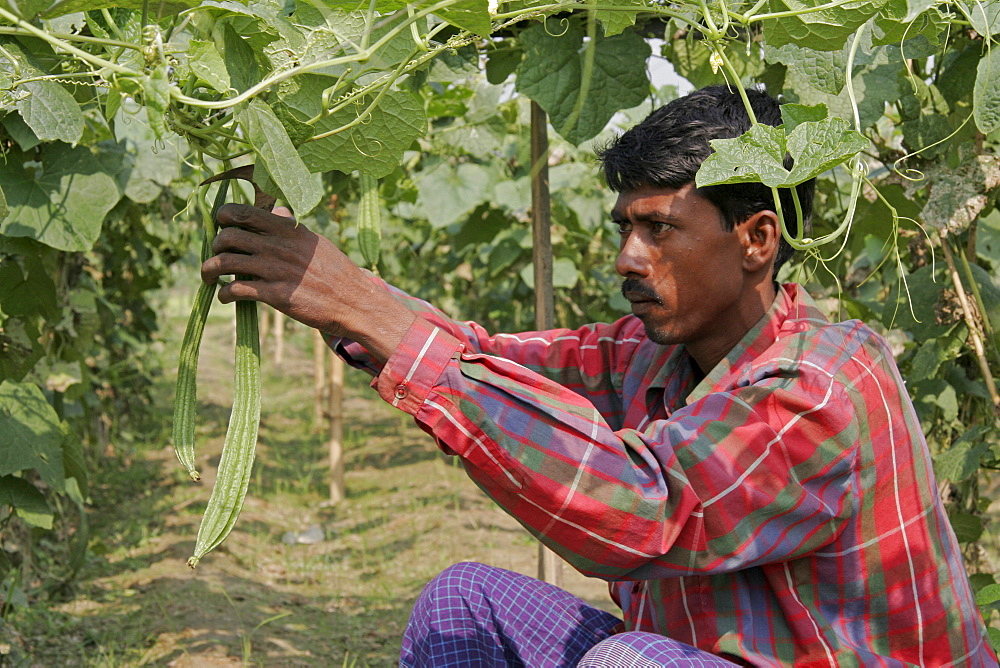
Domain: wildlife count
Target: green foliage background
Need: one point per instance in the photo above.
(110, 115)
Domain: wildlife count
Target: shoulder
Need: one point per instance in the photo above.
(808, 343)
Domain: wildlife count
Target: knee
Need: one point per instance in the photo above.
(463, 577)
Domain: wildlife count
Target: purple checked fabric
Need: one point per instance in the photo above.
(473, 615)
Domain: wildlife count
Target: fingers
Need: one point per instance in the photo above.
(229, 264)
(251, 218)
(241, 290)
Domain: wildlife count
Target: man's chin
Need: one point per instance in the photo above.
(660, 335)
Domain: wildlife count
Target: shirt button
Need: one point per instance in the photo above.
(401, 391)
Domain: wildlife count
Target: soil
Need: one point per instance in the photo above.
(268, 596)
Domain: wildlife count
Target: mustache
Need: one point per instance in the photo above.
(634, 287)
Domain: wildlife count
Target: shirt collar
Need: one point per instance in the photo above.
(793, 310)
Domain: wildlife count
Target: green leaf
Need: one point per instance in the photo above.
(28, 502)
(30, 435)
(959, 193)
(961, 461)
(823, 30)
(755, 156)
(986, 95)
(448, 193)
(374, 146)
(301, 190)
(819, 146)
(149, 164)
(60, 200)
(74, 465)
(501, 63)
(968, 528)
(51, 112)
(552, 72)
(793, 115)
(615, 21)
(63, 7)
(156, 96)
(984, 15)
(206, 62)
(692, 60)
(20, 132)
(241, 63)
(564, 274)
(919, 298)
(822, 70)
(988, 595)
(4, 210)
(471, 15)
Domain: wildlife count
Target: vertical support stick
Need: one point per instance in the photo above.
(549, 566)
(336, 414)
(319, 378)
(279, 338)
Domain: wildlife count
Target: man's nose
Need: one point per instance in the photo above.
(634, 257)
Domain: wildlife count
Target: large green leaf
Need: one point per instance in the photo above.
(614, 20)
(374, 146)
(984, 15)
(46, 106)
(51, 112)
(471, 15)
(757, 155)
(149, 164)
(959, 193)
(27, 501)
(301, 190)
(60, 199)
(986, 96)
(449, 192)
(206, 62)
(552, 73)
(822, 70)
(823, 30)
(30, 435)
(49, 9)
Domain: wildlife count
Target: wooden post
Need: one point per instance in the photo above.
(279, 338)
(336, 417)
(549, 566)
(319, 378)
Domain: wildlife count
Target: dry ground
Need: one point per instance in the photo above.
(410, 511)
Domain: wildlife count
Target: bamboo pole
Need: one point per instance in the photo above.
(549, 566)
(975, 333)
(336, 434)
(319, 378)
(279, 338)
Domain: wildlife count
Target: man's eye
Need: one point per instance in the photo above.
(624, 228)
(659, 228)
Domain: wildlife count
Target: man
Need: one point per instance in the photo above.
(749, 478)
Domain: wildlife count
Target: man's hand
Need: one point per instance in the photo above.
(303, 275)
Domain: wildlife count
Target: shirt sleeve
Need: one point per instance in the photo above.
(759, 474)
(589, 361)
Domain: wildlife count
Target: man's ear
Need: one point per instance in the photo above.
(759, 235)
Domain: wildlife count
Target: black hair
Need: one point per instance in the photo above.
(666, 149)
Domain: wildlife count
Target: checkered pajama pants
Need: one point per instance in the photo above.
(474, 615)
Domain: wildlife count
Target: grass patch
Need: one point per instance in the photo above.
(258, 600)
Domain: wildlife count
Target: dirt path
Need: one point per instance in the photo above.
(258, 600)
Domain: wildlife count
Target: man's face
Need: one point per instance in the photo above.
(683, 271)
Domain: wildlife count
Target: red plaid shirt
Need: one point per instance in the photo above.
(782, 510)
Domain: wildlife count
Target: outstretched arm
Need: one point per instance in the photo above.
(303, 275)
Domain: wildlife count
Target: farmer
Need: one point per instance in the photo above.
(749, 478)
